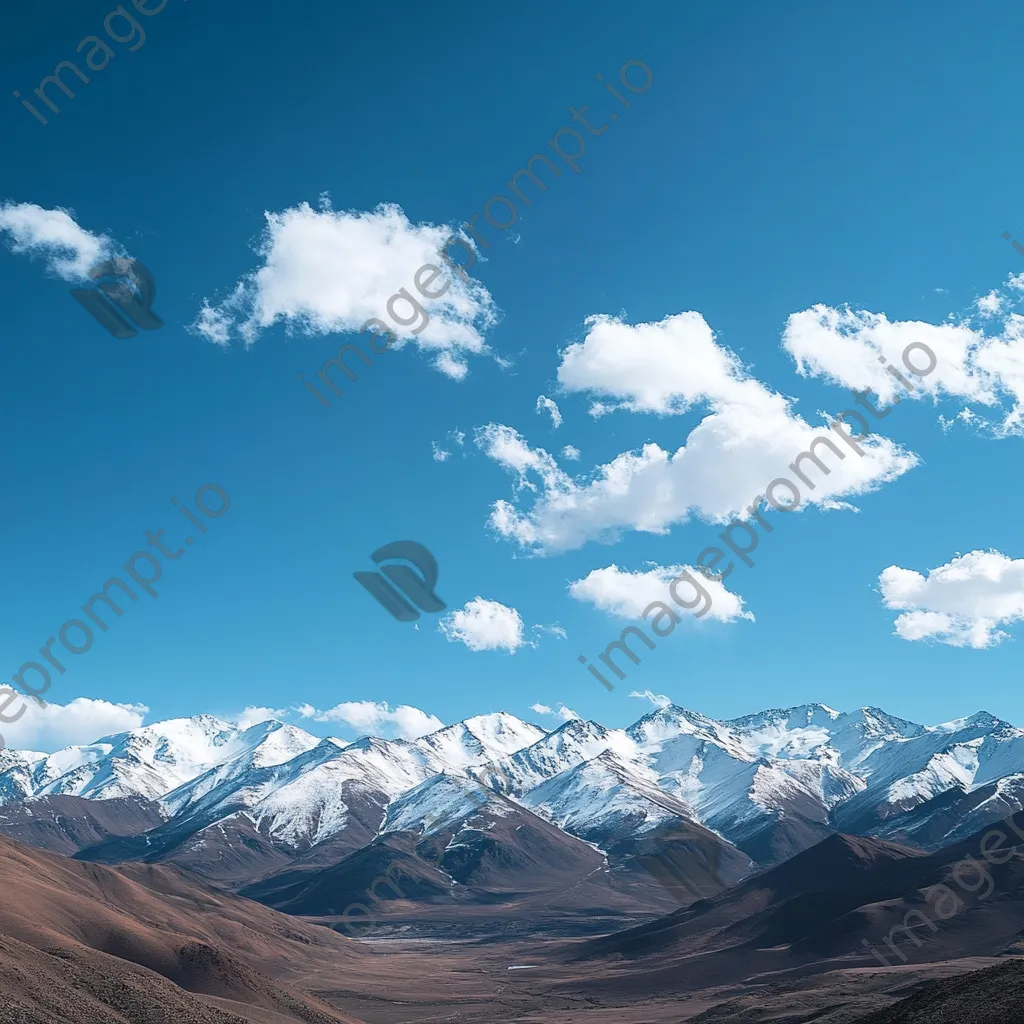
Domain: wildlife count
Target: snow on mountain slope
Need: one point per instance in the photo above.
(800, 771)
(913, 770)
(789, 733)
(18, 773)
(955, 766)
(480, 739)
(605, 797)
(305, 800)
(147, 762)
(265, 745)
(572, 743)
(314, 805)
(732, 773)
(443, 803)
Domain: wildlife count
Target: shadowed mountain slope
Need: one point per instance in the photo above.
(992, 996)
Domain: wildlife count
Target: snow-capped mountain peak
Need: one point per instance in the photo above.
(480, 739)
(796, 773)
(442, 803)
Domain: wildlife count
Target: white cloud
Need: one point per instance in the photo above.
(326, 271)
(961, 603)
(69, 250)
(845, 347)
(662, 367)
(458, 436)
(991, 304)
(439, 454)
(82, 720)
(659, 700)
(484, 625)
(213, 324)
(553, 630)
(747, 440)
(571, 453)
(965, 415)
(545, 404)
(377, 718)
(251, 716)
(562, 712)
(626, 595)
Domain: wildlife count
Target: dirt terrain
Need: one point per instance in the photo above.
(84, 943)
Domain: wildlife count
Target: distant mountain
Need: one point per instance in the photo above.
(242, 806)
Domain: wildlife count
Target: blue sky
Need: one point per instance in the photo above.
(783, 159)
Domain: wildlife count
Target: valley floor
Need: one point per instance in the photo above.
(451, 982)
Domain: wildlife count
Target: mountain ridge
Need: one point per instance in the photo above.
(240, 805)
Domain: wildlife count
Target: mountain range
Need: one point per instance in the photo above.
(508, 810)
(681, 868)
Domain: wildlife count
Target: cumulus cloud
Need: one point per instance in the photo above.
(439, 454)
(545, 404)
(82, 720)
(662, 367)
(659, 700)
(484, 625)
(845, 347)
(562, 712)
(747, 440)
(962, 603)
(327, 271)
(627, 595)
(377, 718)
(68, 249)
(571, 453)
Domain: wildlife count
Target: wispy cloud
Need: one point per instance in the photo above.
(68, 249)
(545, 404)
(561, 712)
(253, 715)
(659, 700)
